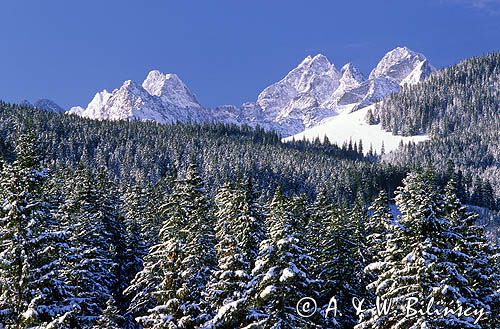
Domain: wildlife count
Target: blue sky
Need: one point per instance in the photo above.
(225, 51)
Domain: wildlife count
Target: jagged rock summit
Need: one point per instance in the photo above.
(310, 93)
(402, 66)
(170, 89)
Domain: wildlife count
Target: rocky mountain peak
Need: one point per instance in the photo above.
(307, 95)
(398, 64)
(170, 88)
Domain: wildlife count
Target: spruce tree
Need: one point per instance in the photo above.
(177, 269)
(111, 317)
(31, 289)
(359, 245)
(160, 264)
(476, 257)
(225, 291)
(136, 216)
(379, 223)
(90, 264)
(239, 230)
(280, 277)
(320, 212)
(115, 232)
(418, 265)
(252, 229)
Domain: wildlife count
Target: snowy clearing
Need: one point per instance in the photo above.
(352, 125)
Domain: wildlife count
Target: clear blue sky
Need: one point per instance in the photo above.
(225, 51)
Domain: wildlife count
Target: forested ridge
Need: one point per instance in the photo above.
(459, 108)
(135, 224)
(146, 151)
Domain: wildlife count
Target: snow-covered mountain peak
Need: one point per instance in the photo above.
(399, 63)
(318, 59)
(129, 85)
(306, 96)
(351, 75)
(95, 106)
(400, 53)
(307, 69)
(318, 64)
(305, 61)
(101, 97)
(315, 78)
(170, 88)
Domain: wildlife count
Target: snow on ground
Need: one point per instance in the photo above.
(352, 125)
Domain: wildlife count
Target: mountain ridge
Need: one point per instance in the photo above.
(307, 95)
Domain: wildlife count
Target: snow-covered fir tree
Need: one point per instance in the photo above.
(280, 277)
(252, 229)
(320, 211)
(177, 269)
(239, 230)
(476, 257)
(114, 225)
(418, 263)
(378, 225)
(136, 216)
(89, 264)
(225, 291)
(358, 252)
(341, 254)
(156, 196)
(111, 317)
(31, 289)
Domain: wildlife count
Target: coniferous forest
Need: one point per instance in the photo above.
(140, 225)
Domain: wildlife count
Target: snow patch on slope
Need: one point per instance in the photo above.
(353, 126)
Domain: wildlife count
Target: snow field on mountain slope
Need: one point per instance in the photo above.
(353, 126)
